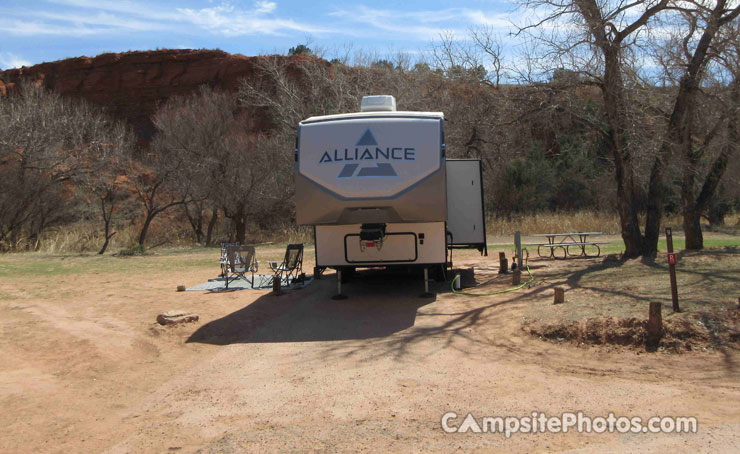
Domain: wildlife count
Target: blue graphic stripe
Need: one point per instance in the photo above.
(382, 169)
(348, 170)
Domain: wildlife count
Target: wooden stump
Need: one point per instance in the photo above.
(516, 277)
(655, 323)
(503, 264)
(559, 295)
(276, 286)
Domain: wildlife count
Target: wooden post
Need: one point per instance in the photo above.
(516, 277)
(655, 323)
(276, 286)
(672, 268)
(503, 264)
(518, 245)
(559, 295)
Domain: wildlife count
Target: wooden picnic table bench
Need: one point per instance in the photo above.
(565, 241)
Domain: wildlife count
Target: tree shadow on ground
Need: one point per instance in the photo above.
(379, 304)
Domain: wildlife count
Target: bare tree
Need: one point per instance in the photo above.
(46, 142)
(245, 175)
(724, 131)
(614, 31)
(706, 21)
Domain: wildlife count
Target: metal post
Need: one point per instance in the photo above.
(339, 295)
(672, 268)
(518, 244)
(426, 293)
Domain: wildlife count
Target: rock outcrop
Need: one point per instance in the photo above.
(130, 85)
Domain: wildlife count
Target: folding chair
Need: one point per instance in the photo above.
(291, 266)
(224, 259)
(241, 260)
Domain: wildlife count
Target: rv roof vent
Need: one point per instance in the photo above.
(381, 103)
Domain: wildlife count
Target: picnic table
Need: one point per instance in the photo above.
(582, 243)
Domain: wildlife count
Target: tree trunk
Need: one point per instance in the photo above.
(624, 173)
(241, 229)
(694, 239)
(196, 221)
(692, 229)
(211, 226)
(145, 227)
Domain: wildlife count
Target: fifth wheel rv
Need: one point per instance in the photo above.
(377, 187)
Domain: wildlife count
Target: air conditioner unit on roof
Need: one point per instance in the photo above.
(381, 103)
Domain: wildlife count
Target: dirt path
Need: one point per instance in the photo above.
(88, 371)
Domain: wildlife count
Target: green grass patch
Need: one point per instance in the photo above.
(161, 261)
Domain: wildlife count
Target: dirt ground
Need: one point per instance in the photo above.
(84, 368)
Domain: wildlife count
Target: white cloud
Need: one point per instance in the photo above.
(265, 7)
(9, 60)
(35, 28)
(228, 20)
(423, 25)
(93, 17)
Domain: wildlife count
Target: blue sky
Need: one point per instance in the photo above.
(34, 31)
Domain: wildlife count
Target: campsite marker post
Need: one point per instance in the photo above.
(672, 268)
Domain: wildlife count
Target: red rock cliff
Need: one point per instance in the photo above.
(131, 85)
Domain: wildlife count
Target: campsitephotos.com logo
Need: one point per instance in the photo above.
(367, 151)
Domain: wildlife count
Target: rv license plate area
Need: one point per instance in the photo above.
(397, 247)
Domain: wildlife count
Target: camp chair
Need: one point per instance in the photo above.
(291, 266)
(224, 259)
(241, 260)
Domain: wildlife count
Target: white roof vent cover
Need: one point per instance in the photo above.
(381, 103)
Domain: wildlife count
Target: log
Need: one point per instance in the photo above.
(503, 264)
(175, 317)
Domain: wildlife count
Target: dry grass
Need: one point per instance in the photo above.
(86, 238)
(581, 221)
(606, 299)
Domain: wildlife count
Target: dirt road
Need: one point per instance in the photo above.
(83, 368)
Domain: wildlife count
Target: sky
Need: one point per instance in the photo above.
(36, 31)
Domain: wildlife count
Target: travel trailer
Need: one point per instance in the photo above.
(379, 191)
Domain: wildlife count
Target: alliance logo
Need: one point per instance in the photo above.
(367, 149)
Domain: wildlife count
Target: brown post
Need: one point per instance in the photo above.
(516, 277)
(655, 322)
(559, 295)
(276, 286)
(503, 264)
(672, 268)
